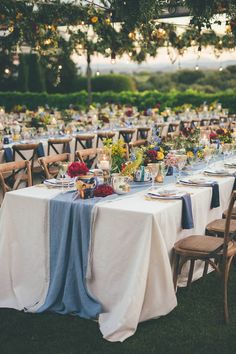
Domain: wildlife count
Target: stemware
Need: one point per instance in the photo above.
(181, 162)
(153, 169)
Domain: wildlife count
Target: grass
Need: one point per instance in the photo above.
(195, 326)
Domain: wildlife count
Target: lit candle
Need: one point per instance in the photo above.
(104, 165)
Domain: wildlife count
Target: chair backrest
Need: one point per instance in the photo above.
(50, 164)
(13, 173)
(227, 235)
(20, 149)
(138, 143)
(63, 142)
(88, 156)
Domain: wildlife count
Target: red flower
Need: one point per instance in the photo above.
(103, 190)
(77, 168)
(213, 135)
(220, 131)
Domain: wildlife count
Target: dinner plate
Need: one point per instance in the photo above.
(165, 194)
(217, 172)
(196, 181)
(59, 182)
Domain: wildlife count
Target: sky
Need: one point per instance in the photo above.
(162, 62)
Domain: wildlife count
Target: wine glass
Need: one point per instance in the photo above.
(153, 169)
(181, 162)
(62, 172)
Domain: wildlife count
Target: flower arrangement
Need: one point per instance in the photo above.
(188, 139)
(154, 153)
(170, 160)
(195, 153)
(130, 167)
(221, 134)
(103, 190)
(118, 154)
(77, 169)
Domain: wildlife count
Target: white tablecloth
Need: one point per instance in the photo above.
(130, 255)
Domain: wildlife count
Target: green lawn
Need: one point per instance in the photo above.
(195, 326)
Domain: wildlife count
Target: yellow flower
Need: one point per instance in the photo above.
(160, 155)
(190, 154)
(94, 19)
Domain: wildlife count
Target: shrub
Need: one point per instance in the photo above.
(142, 100)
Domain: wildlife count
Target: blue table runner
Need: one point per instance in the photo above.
(69, 246)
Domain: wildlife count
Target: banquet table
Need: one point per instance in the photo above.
(129, 267)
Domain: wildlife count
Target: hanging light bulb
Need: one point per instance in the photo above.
(97, 73)
(113, 57)
(60, 67)
(197, 67)
(220, 68)
(7, 71)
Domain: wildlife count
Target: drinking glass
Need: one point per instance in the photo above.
(181, 162)
(153, 169)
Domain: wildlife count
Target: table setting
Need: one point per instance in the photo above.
(94, 228)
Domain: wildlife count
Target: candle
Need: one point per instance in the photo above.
(104, 165)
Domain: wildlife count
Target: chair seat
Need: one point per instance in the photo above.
(199, 245)
(218, 226)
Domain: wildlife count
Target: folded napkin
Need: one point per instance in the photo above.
(8, 155)
(40, 150)
(68, 148)
(215, 199)
(187, 213)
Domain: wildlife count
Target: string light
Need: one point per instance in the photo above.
(7, 71)
(60, 67)
(197, 67)
(97, 73)
(220, 68)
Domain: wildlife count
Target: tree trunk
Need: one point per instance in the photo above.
(89, 77)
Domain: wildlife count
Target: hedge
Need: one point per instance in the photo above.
(142, 100)
(113, 82)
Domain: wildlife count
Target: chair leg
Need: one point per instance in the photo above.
(205, 270)
(190, 274)
(176, 269)
(225, 285)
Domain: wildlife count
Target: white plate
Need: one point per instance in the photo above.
(165, 193)
(59, 182)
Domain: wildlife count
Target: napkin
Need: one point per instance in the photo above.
(215, 199)
(40, 150)
(187, 214)
(8, 156)
(68, 148)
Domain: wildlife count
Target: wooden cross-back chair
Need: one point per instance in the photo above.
(19, 151)
(138, 143)
(104, 135)
(216, 251)
(12, 174)
(88, 156)
(126, 134)
(50, 164)
(64, 143)
(142, 133)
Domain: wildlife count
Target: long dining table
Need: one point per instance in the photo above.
(129, 266)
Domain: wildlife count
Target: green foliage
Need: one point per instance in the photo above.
(142, 100)
(36, 79)
(208, 81)
(115, 83)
